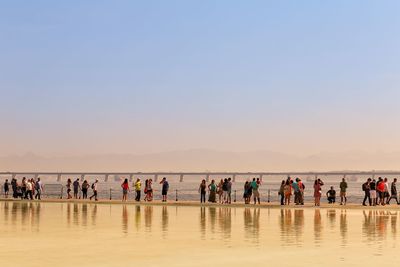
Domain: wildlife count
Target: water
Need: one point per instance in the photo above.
(88, 234)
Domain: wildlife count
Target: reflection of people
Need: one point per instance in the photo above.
(331, 195)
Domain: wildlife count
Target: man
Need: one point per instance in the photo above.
(94, 188)
(14, 186)
(343, 189)
(76, 185)
(393, 191)
(229, 190)
(29, 190)
(366, 188)
(6, 188)
(296, 189)
(256, 194)
(164, 189)
(138, 187)
(301, 188)
(331, 195)
(372, 186)
(39, 189)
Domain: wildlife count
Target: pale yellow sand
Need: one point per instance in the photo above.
(89, 234)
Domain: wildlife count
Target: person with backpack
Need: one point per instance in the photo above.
(393, 192)
(85, 188)
(39, 189)
(366, 188)
(256, 194)
(76, 186)
(164, 189)
(94, 188)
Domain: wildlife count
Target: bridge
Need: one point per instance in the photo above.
(206, 175)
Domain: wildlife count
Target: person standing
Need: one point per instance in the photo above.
(77, 186)
(164, 189)
(318, 192)
(366, 188)
(301, 188)
(23, 187)
(138, 188)
(125, 189)
(225, 191)
(202, 191)
(281, 192)
(393, 191)
(372, 193)
(85, 188)
(69, 184)
(39, 189)
(6, 187)
(288, 191)
(343, 189)
(212, 197)
(256, 193)
(296, 191)
(380, 188)
(229, 191)
(29, 190)
(14, 186)
(94, 188)
(220, 190)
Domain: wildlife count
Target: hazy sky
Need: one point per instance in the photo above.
(88, 77)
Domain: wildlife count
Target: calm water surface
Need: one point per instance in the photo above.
(72, 234)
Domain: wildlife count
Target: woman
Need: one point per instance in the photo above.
(213, 192)
(220, 191)
(85, 187)
(317, 192)
(146, 182)
(245, 188)
(125, 189)
(281, 192)
(202, 191)
(149, 190)
(69, 183)
(23, 187)
(248, 192)
(287, 190)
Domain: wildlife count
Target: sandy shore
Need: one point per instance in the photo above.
(197, 204)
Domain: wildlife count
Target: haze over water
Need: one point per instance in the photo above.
(74, 234)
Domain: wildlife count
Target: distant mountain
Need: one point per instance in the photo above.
(205, 160)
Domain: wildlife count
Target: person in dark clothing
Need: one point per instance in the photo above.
(14, 186)
(6, 188)
(393, 191)
(331, 195)
(366, 188)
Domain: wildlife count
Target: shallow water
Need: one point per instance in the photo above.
(69, 234)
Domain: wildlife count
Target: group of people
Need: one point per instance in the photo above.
(26, 189)
(379, 192)
(376, 192)
(223, 190)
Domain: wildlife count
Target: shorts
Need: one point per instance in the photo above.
(256, 193)
(373, 193)
(124, 191)
(342, 194)
(164, 192)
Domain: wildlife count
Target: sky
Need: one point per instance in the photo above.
(137, 77)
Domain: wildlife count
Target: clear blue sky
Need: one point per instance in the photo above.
(84, 77)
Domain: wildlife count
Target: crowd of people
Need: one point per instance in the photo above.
(376, 192)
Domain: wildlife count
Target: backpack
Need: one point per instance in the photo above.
(364, 186)
(93, 186)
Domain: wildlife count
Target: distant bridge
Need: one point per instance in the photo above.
(206, 175)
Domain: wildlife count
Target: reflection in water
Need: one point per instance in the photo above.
(317, 227)
(148, 217)
(218, 223)
(164, 221)
(138, 217)
(125, 219)
(343, 227)
(252, 224)
(203, 222)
